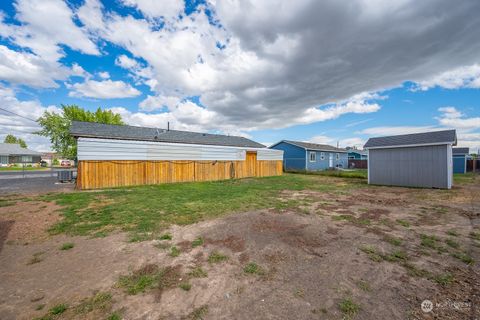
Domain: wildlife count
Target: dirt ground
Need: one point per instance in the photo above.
(375, 253)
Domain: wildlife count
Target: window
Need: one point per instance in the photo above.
(26, 159)
(338, 156)
(3, 159)
(322, 155)
(313, 156)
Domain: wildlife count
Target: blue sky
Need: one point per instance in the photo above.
(324, 72)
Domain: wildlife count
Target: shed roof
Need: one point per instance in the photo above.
(14, 149)
(124, 132)
(460, 150)
(424, 138)
(313, 146)
(362, 152)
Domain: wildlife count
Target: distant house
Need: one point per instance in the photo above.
(299, 155)
(460, 157)
(354, 154)
(13, 154)
(120, 155)
(412, 160)
(49, 157)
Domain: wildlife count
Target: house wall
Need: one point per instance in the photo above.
(320, 164)
(425, 166)
(357, 156)
(18, 159)
(293, 156)
(112, 163)
(459, 164)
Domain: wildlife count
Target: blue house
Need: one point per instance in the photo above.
(311, 156)
(355, 154)
(460, 157)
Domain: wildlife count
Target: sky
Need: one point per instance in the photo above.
(332, 72)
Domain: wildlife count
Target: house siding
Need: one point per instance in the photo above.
(459, 164)
(426, 166)
(293, 156)
(320, 164)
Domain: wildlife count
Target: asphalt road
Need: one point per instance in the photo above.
(32, 182)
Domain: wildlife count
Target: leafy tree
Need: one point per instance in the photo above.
(56, 126)
(10, 138)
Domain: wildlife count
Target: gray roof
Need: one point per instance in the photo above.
(425, 138)
(7, 149)
(313, 146)
(460, 150)
(124, 132)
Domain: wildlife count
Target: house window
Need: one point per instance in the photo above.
(322, 155)
(3, 159)
(313, 156)
(26, 159)
(338, 156)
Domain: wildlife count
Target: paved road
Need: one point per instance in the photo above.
(30, 174)
(38, 185)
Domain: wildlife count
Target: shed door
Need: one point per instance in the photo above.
(251, 164)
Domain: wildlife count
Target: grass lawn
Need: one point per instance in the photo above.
(21, 169)
(144, 210)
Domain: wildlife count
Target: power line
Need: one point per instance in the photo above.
(17, 115)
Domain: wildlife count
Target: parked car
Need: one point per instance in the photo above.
(65, 163)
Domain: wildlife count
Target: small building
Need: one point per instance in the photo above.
(355, 154)
(412, 160)
(460, 157)
(307, 156)
(120, 155)
(12, 154)
(49, 158)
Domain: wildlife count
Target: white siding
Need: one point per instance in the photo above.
(269, 154)
(107, 149)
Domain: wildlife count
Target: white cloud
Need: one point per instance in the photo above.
(342, 143)
(155, 8)
(126, 62)
(463, 77)
(453, 118)
(152, 103)
(106, 89)
(104, 75)
(21, 127)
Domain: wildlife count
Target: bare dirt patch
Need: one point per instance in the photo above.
(380, 251)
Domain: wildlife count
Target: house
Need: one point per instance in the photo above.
(311, 156)
(412, 160)
(49, 157)
(116, 155)
(355, 154)
(12, 154)
(460, 157)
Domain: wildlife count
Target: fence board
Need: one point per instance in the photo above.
(93, 174)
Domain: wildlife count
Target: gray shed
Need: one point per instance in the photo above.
(412, 160)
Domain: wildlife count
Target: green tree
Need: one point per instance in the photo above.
(10, 138)
(56, 126)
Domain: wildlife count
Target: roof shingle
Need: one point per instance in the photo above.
(460, 150)
(315, 146)
(425, 138)
(15, 149)
(124, 132)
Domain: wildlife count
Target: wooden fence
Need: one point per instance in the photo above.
(93, 174)
(357, 164)
(470, 164)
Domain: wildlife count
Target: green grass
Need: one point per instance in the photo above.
(403, 223)
(6, 203)
(253, 268)
(429, 241)
(58, 309)
(21, 169)
(464, 257)
(463, 178)
(185, 286)
(149, 209)
(452, 233)
(174, 252)
(197, 272)
(452, 243)
(217, 257)
(166, 236)
(100, 301)
(198, 314)
(114, 316)
(141, 280)
(394, 241)
(67, 246)
(197, 242)
(475, 235)
(356, 174)
(444, 279)
(364, 286)
(348, 307)
(372, 253)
